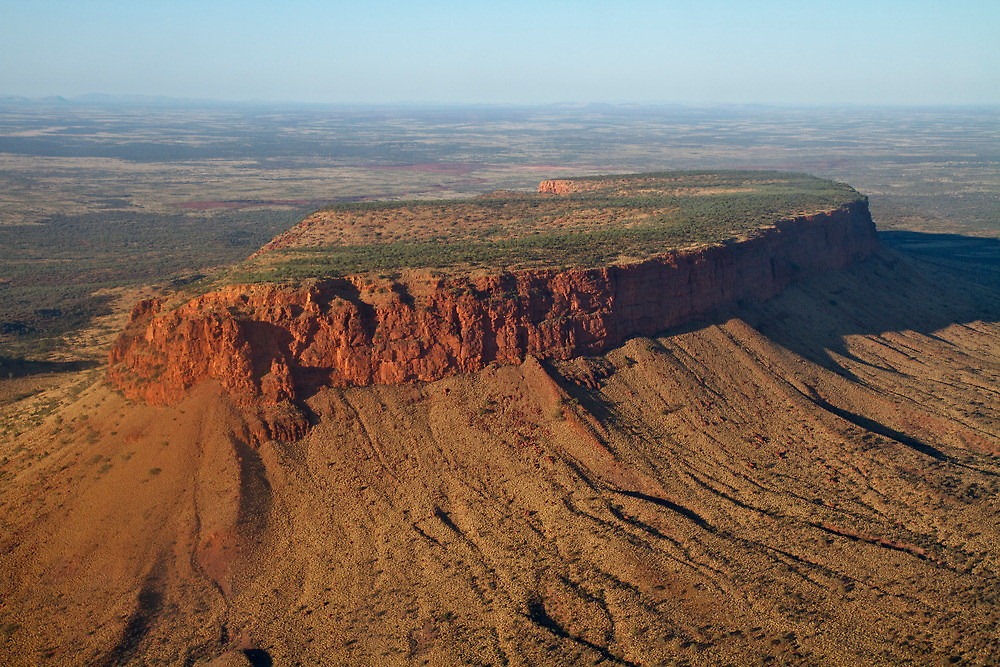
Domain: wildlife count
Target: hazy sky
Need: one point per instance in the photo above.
(803, 51)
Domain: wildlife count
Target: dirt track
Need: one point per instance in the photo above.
(809, 480)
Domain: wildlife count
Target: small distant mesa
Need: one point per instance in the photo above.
(394, 292)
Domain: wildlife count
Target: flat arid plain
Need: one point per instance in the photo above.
(798, 467)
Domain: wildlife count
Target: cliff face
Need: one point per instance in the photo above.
(271, 346)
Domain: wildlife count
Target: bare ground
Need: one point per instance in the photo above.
(810, 480)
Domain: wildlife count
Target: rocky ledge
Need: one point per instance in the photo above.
(272, 345)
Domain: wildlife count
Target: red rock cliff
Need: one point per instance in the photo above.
(273, 345)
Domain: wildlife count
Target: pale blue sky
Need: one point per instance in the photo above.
(768, 51)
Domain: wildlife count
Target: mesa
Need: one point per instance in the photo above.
(396, 292)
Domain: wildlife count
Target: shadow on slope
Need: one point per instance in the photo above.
(13, 368)
(920, 283)
(966, 254)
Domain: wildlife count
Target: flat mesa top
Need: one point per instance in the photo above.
(579, 222)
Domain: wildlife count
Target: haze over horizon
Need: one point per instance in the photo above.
(775, 52)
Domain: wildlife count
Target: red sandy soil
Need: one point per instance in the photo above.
(808, 480)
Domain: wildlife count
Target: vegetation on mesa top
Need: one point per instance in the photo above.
(598, 220)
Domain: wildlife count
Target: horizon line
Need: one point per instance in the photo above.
(110, 99)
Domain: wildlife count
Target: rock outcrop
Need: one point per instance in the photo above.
(564, 186)
(272, 345)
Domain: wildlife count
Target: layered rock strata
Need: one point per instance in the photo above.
(272, 345)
